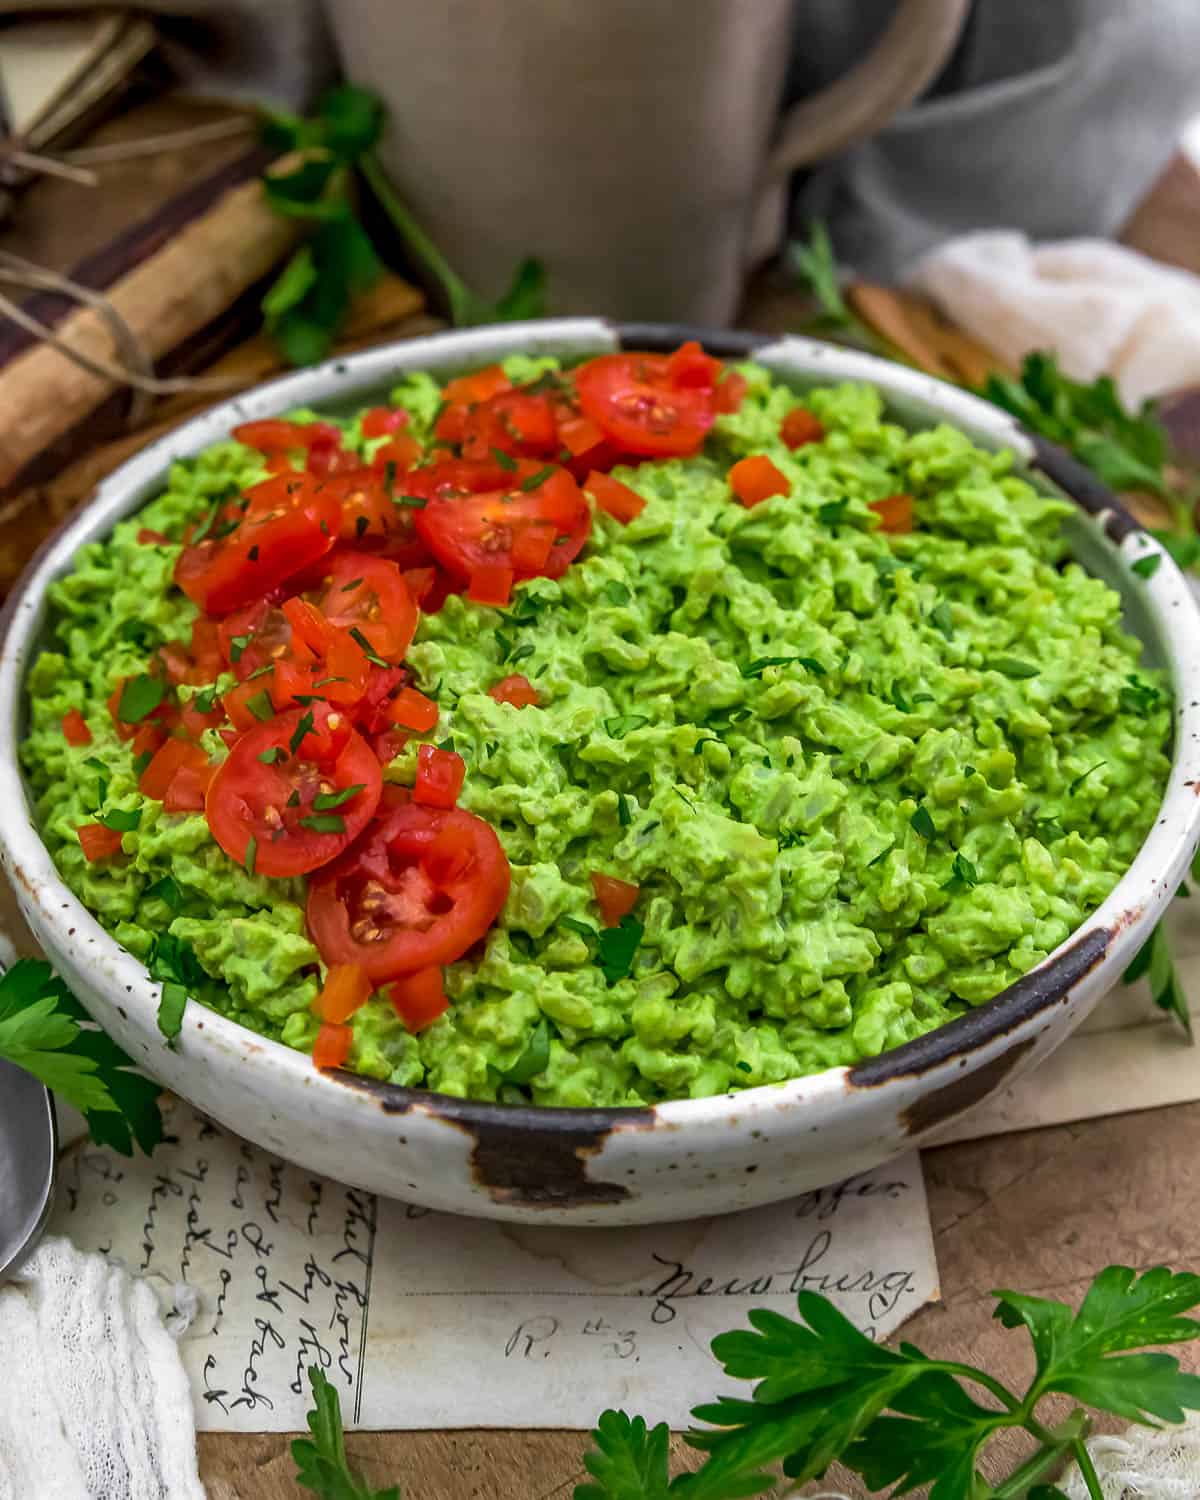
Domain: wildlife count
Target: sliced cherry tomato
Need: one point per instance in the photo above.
(690, 368)
(279, 786)
(290, 523)
(731, 392)
(327, 458)
(249, 703)
(419, 889)
(756, 479)
(613, 497)
(74, 728)
(274, 435)
(440, 776)
(511, 422)
(413, 710)
(373, 714)
(578, 434)
(895, 512)
(194, 721)
(98, 842)
(614, 897)
(252, 638)
(381, 420)
(332, 1046)
(169, 758)
(188, 789)
(450, 478)
(346, 989)
(491, 583)
(800, 427)
(420, 998)
(517, 690)
(399, 454)
(369, 595)
(149, 538)
(641, 406)
(509, 528)
(388, 745)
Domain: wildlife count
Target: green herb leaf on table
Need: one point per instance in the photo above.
(628, 1462)
(1153, 960)
(321, 1460)
(45, 1030)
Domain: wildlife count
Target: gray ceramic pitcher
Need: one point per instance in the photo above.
(635, 146)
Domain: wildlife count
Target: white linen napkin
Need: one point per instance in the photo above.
(97, 1405)
(1100, 307)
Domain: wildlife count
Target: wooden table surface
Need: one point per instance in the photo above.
(1041, 1211)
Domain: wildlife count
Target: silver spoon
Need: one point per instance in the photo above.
(28, 1146)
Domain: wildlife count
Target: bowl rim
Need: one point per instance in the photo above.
(1143, 890)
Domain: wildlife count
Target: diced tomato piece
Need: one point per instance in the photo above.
(150, 538)
(491, 584)
(517, 690)
(402, 451)
(614, 897)
(731, 392)
(646, 406)
(800, 427)
(194, 721)
(690, 367)
(480, 385)
(895, 512)
(388, 745)
(167, 760)
(148, 737)
(511, 422)
(480, 530)
(756, 479)
(380, 420)
(274, 435)
(332, 1046)
(98, 842)
(413, 710)
(346, 989)
(419, 999)
(369, 597)
(74, 728)
(249, 703)
(420, 583)
(578, 434)
(188, 788)
(440, 776)
(616, 499)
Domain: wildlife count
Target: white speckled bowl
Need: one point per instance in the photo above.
(613, 1166)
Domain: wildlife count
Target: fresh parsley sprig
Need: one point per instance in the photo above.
(45, 1030)
(321, 1460)
(825, 1392)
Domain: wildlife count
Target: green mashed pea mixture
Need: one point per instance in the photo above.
(863, 782)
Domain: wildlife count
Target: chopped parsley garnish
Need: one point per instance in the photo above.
(414, 502)
(1079, 780)
(353, 584)
(325, 681)
(789, 838)
(101, 771)
(139, 697)
(962, 872)
(369, 651)
(941, 619)
(1146, 567)
(616, 592)
(1013, 666)
(261, 706)
(1047, 830)
(306, 698)
(833, 512)
(921, 822)
(204, 700)
(304, 727)
(172, 1002)
(173, 962)
(361, 523)
(226, 528)
(505, 460)
(616, 947)
(139, 632)
(140, 762)
(622, 724)
(896, 697)
(760, 664)
(535, 1058)
(389, 478)
(624, 816)
(167, 890)
(206, 525)
(687, 801)
(251, 854)
(253, 553)
(293, 800)
(584, 929)
(323, 801)
(237, 645)
(1139, 697)
(883, 853)
(269, 757)
(121, 822)
(743, 1067)
(534, 481)
(261, 672)
(324, 823)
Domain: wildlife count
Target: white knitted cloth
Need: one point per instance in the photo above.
(96, 1403)
(1145, 1464)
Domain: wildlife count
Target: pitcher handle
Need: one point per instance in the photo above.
(918, 40)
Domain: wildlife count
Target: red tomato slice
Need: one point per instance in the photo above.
(274, 435)
(895, 512)
(252, 638)
(800, 427)
(512, 422)
(617, 499)
(450, 478)
(690, 368)
(509, 528)
(291, 521)
(420, 998)
(756, 479)
(332, 1046)
(517, 690)
(639, 404)
(614, 897)
(419, 889)
(98, 842)
(188, 789)
(381, 420)
(369, 595)
(74, 728)
(282, 803)
(167, 760)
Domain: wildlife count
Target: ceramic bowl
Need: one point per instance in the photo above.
(615, 1166)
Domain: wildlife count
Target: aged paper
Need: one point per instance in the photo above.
(425, 1319)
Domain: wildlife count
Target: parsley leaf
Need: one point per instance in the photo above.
(624, 816)
(45, 1030)
(628, 1461)
(271, 755)
(304, 727)
(1153, 959)
(815, 264)
(616, 947)
(616, 592)
(922, 823)
(321, 1460)
(260, 706)
(1139, 697)
(140, 696)
(1012, 666)
(534, 1059)
(1146, 567)
(760, 664)
(833, 512)
(535, 481)
(323, 801)
(622, 724)
(119, 821)
(167, 890)
(941, 619)
(325, 823)
(1079, 780)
